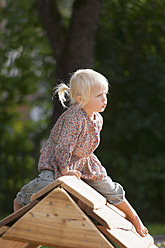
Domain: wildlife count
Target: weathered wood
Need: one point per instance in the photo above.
(46, 190)
(76, 187)
(3, 230)
(127, 238)
(107, 217)
(32, 246)
(57, 221)
(9, 220)
(12, 244)
(83, 191)
(115, 209)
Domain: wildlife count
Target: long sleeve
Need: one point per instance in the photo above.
(68, 138)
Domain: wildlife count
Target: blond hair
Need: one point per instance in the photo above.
(82, 82)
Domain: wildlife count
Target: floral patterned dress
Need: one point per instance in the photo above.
(72, 142)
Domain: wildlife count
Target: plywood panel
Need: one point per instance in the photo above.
(46, 190)
(83, 191)
(32, 246)
(78, 188)
(9, 220)
(11, 244)
(127, 239)
(57, 220)
(3, 230)
(107, 217)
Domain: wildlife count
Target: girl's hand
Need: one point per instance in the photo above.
(74, 172)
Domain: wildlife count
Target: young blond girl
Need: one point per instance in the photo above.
(72, 141)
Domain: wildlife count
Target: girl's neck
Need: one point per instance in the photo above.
(90, 114)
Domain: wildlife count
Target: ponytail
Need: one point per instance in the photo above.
(61, 89)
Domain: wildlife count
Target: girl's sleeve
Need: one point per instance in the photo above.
(67, 142)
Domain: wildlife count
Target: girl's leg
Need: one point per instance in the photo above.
(16, 205)
(132, 216)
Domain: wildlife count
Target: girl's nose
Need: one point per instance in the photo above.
(104, 98)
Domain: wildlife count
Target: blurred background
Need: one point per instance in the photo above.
(41, 43)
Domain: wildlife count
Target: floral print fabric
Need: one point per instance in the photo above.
(72, 142)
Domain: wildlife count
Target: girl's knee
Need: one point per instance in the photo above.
(16, 205)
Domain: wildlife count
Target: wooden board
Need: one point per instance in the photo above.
(114, 208)
(46, 190)
(9, 220)
(127, 239)
(12, 244)
(76, 187)
(83, 191)
(3, 230)
(57, 220)
(32, 246)
(107, 217)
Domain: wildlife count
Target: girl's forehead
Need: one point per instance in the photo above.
(101, 88)
(98, 90)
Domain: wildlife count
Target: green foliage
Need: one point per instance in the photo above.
(130, 50)
(26, 66)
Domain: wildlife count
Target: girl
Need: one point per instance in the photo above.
(72, 141)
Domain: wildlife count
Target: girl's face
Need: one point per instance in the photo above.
(97, 102)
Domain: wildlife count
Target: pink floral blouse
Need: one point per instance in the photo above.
(72, 142)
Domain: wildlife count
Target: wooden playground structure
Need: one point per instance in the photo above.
(68, 213)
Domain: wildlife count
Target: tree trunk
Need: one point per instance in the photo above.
(73, 48)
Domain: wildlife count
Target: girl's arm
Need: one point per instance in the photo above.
(69, 135)
(67, 172)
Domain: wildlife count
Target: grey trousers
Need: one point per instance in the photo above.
(44, 178)
(112, 191)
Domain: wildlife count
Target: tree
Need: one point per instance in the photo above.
(23, 49)
(132, 34)
(28, 63)
(72, 44)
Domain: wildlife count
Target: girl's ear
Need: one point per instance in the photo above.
(79, 99)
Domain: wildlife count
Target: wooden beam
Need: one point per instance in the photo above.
(107, 217)
(3, 230)
(9, 220)
(83, 191)
(57, 221)
(127, 238)
(32, 246)
(12, 244)
(46, 190)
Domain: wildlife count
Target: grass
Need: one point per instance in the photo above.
(156, 228)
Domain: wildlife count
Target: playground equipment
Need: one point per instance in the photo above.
(68, 213)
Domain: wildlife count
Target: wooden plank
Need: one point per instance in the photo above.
(78, 188)
(107, 217)
(11, 244)
(57, 221)
(127, 239)
(9, 220)
(112, 218)
(83, 191)
(116, 209)
(46, 190)
(3, 230)
(32, 246)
